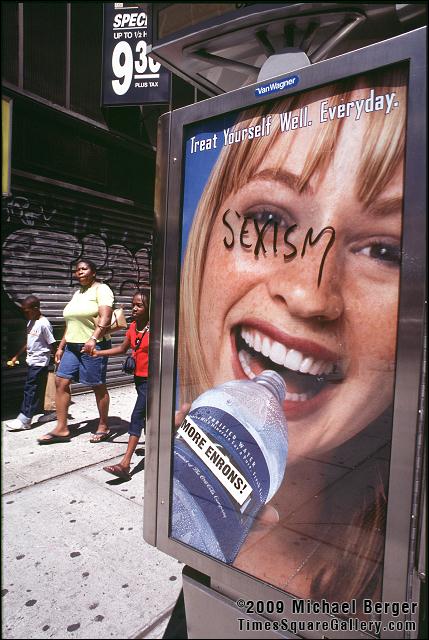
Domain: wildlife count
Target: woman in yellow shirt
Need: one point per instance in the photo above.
(88, 317)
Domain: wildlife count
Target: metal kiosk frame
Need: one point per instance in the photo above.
(404, 560)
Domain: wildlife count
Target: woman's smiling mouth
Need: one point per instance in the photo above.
(306, 371)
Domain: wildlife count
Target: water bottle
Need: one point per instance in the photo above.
(229, 459)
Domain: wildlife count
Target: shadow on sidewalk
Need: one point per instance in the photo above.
(90, 426)
(176, 628)
(136, 469)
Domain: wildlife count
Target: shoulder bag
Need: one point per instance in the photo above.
(129, 364)
(118, 321)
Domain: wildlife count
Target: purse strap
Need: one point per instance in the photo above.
(96, 296)
(140, 339)
(113, 309)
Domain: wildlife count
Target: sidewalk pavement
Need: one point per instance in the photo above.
(74, 562)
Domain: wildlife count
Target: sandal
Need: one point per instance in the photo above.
(52, 438)
(100, 436)
(118, 471)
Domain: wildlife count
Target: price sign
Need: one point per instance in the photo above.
(130, 75)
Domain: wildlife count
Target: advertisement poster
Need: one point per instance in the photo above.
(130, 75)
(291, 256)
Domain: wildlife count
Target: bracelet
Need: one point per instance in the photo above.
(93, 338)
(104, 326)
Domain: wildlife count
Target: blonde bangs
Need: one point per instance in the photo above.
(240, 162)
(384, 150)
(246, 158)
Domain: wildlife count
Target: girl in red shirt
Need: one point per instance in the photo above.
(137, 337)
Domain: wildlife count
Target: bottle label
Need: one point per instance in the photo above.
(215, 460)
(222, 467)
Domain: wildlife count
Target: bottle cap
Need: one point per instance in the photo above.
(272, 381)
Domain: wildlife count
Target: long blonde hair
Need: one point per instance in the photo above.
(237, 164)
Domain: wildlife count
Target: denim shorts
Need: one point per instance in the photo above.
(81, 367)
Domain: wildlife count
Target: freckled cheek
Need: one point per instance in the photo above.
(372, 328)
(240, 267)
(229, 268)
(228, 275)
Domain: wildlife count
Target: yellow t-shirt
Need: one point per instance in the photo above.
(82, 310)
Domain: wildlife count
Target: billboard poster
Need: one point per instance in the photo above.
(287, 333)
(130, 75)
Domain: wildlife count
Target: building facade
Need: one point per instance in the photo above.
(82, 175)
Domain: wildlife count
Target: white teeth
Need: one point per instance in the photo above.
(293, 360)
(281, 355)
(244, 358)
(258, 342)
(266, 347)
(278, 353)
(252, 338)
(297, 397)
(244, 361)
(306, 365)
(247, 336)
(328, 368)
(316, 368)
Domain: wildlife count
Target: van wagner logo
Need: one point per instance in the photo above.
(277, 85)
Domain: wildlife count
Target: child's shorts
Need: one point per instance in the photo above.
(81, 367)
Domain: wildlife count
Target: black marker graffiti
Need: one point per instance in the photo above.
(268, 232)
(50, 272)
(20, 209)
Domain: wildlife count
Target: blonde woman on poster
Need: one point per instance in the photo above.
(292, 264)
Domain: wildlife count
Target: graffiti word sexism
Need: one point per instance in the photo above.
(270, 229)
(19, 208)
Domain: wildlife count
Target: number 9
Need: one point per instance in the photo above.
(125, 70)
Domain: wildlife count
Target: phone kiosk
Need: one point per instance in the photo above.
(290, 238)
